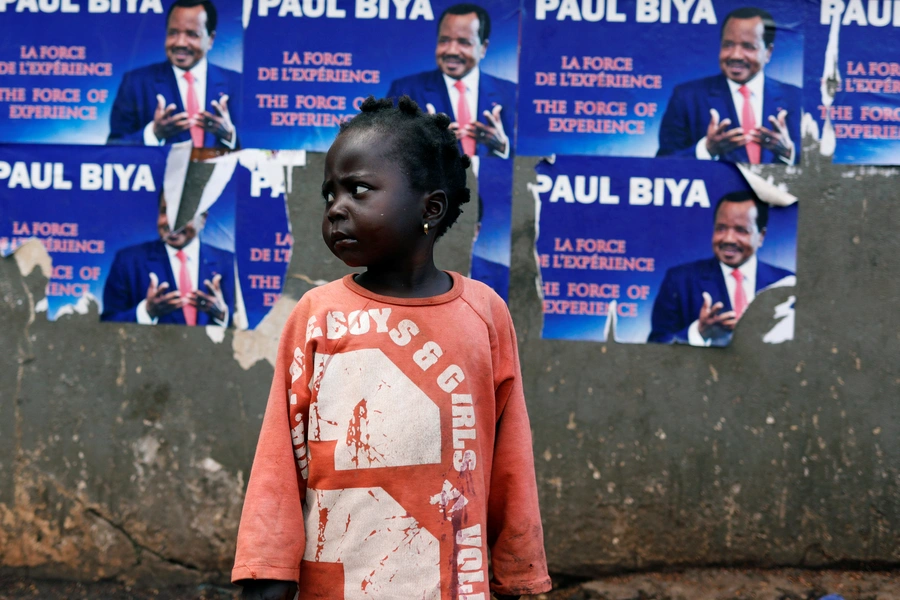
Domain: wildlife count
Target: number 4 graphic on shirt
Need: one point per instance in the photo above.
(377, 415)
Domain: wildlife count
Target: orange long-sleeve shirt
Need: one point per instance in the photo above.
(395, 452)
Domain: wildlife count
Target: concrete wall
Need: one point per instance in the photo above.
(124, 450)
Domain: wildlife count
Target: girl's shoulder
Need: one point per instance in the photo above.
(323, 293)
(478, 295)
(478, 290)
(484, 301)
(324, 289)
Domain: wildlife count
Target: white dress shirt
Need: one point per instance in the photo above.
(748, 282)
(756, 86)
(471, 81)
(199, 74)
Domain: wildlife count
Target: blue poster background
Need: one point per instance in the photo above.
(123, 40)
(676, 52)
(669, 235)
(264, 242)
(865, 117)
(492, 247)
(391, 47)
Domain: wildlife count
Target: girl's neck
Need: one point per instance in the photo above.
(424, 282)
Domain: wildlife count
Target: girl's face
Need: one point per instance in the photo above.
(373, 216)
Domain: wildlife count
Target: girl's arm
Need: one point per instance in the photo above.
(515, 536)
(272, 538)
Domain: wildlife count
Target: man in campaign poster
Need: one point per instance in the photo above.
(740, 115)
(185, 97)
(459, 88)
(699, 303)
(177, 279)
(618, 243)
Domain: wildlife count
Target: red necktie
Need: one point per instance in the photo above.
(748, 123)
(463, 117)
(193, 107)
(185, 287)
(740, 297)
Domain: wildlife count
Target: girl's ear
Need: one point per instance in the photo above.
(435, 207)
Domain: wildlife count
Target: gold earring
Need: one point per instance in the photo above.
(425, 227)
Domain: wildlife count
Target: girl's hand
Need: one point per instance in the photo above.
(269, 589)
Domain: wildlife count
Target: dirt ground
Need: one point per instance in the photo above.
(695, 584)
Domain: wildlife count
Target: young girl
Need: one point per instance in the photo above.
(395, 454)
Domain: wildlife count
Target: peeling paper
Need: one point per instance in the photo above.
(532, 187)
(32, 255)
(831, 81)
(239, 320)
(221, 175)
(268, 172)
(177, 167)
(246, 13)
(261, 343)
(177, 162)
(766, 189)
(610, 326)
(809, 128)
(81, 307)
(291, 159)
(29, 256)
(783, 331)
(215, 333)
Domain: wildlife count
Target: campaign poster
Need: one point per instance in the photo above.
(97, 71)
(309, 65)
(852, 79)
(491, 250)
(641, 242)
(149, 238)
(647, 78)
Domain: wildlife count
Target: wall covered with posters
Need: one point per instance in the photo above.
(709, 81)
(598, 217)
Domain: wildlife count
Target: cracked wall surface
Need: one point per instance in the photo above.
(124, 449)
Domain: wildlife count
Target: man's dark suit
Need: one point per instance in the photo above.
(687, 116)
(681, 296)
(136, 101)
(429, 88)
(129, 278)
